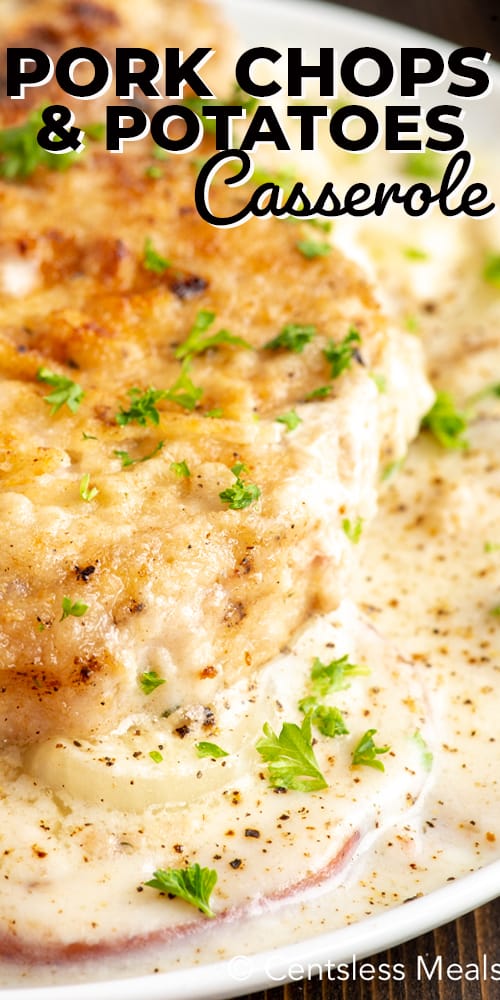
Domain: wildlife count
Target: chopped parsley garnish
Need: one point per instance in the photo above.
(323, 224)
(196, 342)
(310, 249)
(126, 459)
(142, 407)
(353, 529)
(154, 172)
(241, 494)
(284, 179)
(149, 681)
(326, 718)
(380, 381)
(412, 324)
(214, 414)
(426, 164)
(320, 393)
(77, 608)
(340, 356)
(423, 746)
(159, 153)
(290, 757)
(415, 253)
(20, 153)
(180, 469)
(193, 884)
(153, 261)
(95, 131)
(334, 676)
(491, 390)
(239, 468)
(495, 611)
(392, 468)
(206, 749)
(184, 392)
(365, 752)
(65, 391)
(87, 492)
(446, 423)
(293, 337)
(491, 546)
(156, 756)
(291, 420)
(491, 270)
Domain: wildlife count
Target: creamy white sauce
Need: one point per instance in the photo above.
(428, 582)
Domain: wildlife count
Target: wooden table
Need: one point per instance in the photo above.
(466, 22)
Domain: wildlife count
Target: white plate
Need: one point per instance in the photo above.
(283, 23)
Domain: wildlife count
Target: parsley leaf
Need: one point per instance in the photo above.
(284, 179)
(415, 253)
(323, 224)
(426, 164)
(153, 261)
(293, 337)
(353, 529)
(205, 749)
(95, 131)
(326, 718)
(180, 469)
(193, 884)
(340, 356)
(380, 381)
(154, 172)
(214, 414)
(76, 609)
(320, 393)
(196, 343)
(240, 494)
(446, 423)
(184, 392)
(412, 324)
(313, 248)
(491, 547)
(290, 757)
(427, 755)
(156, 756)
(365, 752)
(126, 460)
(21, 155)
(149, 681)
(392, 468)
(65, 391)
(142, 407)
(333, 676)
(87, 492)
(491, 271)
(291, 420)
(490, 390)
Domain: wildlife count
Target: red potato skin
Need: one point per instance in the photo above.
(25, 951)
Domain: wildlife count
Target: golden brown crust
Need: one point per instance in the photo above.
(178, 582)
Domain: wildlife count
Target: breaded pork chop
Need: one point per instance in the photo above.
(191, 530)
